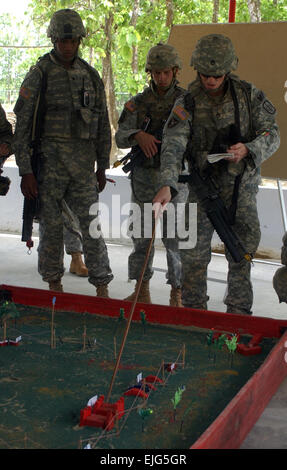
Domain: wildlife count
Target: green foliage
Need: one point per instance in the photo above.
(177, 397)
(8, 310)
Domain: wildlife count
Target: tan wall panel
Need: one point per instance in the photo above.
(262, 61)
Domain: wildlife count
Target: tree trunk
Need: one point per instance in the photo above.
(133, 22)
(169, 13)
(108, 79)
(215, 11)
(254, 10)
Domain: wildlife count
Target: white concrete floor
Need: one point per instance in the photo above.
(20, 269)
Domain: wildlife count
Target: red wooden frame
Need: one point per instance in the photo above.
(233, 424)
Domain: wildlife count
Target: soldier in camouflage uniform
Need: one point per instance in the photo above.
(140, 124)
(280, 277)
(5, 149)
(217, 103)
(75, 134)
(72, 242)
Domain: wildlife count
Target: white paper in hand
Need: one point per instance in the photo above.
(215, 157)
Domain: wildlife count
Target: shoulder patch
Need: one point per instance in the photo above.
(172, 122)
(268, 107)
(181, 113)
(25, 92)
(130, 105)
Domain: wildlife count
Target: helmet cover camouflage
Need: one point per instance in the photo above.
(215, 55)
(280, 283)
(66, 24)
(162, 56)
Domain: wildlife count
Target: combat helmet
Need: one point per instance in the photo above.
(215, 55)
(66, 24)
(162, 56)
(280, 283)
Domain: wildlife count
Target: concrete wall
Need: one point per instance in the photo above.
(116, 198)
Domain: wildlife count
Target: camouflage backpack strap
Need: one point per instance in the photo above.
(41, 67)
(247, 87)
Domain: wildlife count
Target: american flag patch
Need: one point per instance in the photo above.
(130, 105)
(180, 112)
(25, 93)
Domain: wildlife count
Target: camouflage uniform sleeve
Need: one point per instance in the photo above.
(5, 128)
(127, 126)
(176, 134)
(104, 140)
(24, 110)
(267, 138)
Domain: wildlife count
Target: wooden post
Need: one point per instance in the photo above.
(163, 375)
(139, 283)
(52, 325)
(4, 330)
(84, 336)
(115, 347)
(183, 355)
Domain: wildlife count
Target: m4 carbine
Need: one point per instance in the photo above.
(31, 207)
(136, 156)
(216, 211)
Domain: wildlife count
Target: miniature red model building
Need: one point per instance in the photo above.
(252, 347)
(101, 414)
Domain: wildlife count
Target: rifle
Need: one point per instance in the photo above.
(31, 207)
(216, 211)
(136, 156)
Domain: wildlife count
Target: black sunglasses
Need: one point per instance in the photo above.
(211, 76)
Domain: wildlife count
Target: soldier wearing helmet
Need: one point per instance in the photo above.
(220, 114)
(280, 277)
(140, 127)
(73, 135)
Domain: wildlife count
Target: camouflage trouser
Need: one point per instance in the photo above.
(239, 292)
(67, 173)
(138, 255)
(72, 232)
(72, 242)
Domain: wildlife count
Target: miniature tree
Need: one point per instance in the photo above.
(232, 346)
(121, 318)
(144, 413)
(177, 398)
(143, 319)
(209, 339)
(7, 310)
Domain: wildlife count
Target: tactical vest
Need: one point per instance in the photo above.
(152, 113)
(156, 108)
(213, 117)
(71, 101)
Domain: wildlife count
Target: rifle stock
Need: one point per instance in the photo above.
(217, 213)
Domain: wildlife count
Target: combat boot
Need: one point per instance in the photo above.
(144, 293)
(56, 286)
(175, 297)
(77, 266)
(103, 291)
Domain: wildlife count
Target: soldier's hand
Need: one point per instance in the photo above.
(101, 177)
(163, 196)
(147, 143)
(4, 150)
(29, 186)
(239, 151)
